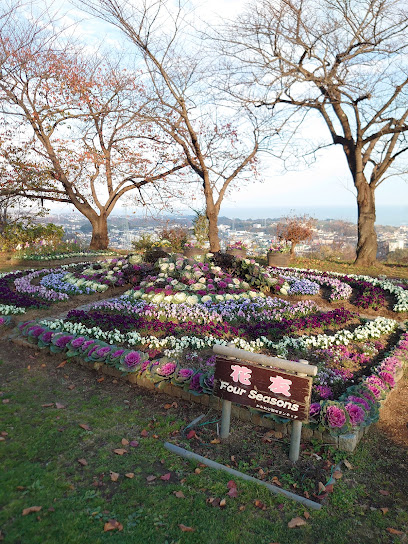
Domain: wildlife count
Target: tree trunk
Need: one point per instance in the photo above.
(292, 248)
(367, 236)
(212, 216)
(100, 238)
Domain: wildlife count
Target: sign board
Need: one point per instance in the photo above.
(264, 388)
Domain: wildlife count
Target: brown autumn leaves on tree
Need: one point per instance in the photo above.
(83, 139)
(295, 229)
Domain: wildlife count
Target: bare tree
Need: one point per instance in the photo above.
(219, 145)
(296, 229)
(73, 131)
(345, 60)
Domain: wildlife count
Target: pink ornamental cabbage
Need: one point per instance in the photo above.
(167, 369)
(132, 359)
(335, 416)
(356, 413)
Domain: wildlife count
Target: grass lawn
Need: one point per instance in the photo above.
(167, 498)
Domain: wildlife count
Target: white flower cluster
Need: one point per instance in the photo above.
(185, 298)
(371, 329)
(82, 282)
(9, 309)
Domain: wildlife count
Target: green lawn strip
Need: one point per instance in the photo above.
(39, 467)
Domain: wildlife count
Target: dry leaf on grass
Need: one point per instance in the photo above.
(186, 529)
(337, 475)
(306, 514)
(61, 365)
(321, 487)
(114, 476)
(259, 504)
(134, 443)
(130, 475)
(384, 510)
(82, 462)
(179, 494)
(112, 525)
(165, 477)
(347, 464)
(47, 405)
(31, 509)
(394, 531)
(85, 426)
(384, 492)
(59, 406)
(120, 451)
(151, 478)
(296, 522)
(144, 433)
(124, 442)
(71, 387)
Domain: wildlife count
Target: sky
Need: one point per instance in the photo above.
(327, 182)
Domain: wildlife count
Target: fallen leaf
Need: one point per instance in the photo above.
(82, 462)
(4, 433)
(296, 522)
(384, 510)
(329, 488)
(115, 381)
(167, 406)
(191, 435)
(43, 365)
(223, 503)
(2, 439)
(85, 426)
(71, 387)
(130, 475)
(394, 531)
(215, 441)
(112, 525)
(144, 433)
(156, 436)
(231, 484)
(120, 451)
(59, 406)
(197, 470)
(114, 476)
(99, 380)
(321, 487)
(179, 494)
(337, 475)
(348, 464)
(259, 504)
(242, 507)
(306, 514)
(275, 481)
(6, 401)
(20, 488)
(134, 443)
(165, 477)
(233, 493)
(61, 365)
(124, 442)
(51, 509)
(151, 478)
(31, 509)
(384, 492)
(186, 529)
(28, 367)
(306, 494)
(48, 405)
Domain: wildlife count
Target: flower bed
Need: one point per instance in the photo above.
(162, 330)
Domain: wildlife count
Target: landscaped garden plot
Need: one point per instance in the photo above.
(163, 327)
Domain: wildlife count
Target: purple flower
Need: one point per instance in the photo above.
(93, 348)
(87, 344)
(359, 400)
(335, 416)
(62, 341)
(195, 382)
(77, 342)
(314, 409)
(116, 354)
(2, 320)
(185, 373)
(36, 331)
(46, 337)
(356, 413)
(132, 359)
(324, 391)
(167, 369)
(102, 352)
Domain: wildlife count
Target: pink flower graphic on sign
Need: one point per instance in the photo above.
(280, 385)
(241, 374)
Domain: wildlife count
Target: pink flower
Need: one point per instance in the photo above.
(167, 369)
(335, 416)
(356, 413)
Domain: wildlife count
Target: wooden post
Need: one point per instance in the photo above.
(296, 430)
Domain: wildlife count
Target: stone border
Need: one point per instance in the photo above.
(345, 442)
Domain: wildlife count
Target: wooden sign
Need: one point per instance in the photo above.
(264, 388)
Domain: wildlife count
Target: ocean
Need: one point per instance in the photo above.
(395, 216)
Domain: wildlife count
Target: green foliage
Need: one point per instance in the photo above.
(177, 236)
(34, 236)
(144, 243)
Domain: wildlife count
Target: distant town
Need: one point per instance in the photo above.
(330, 235)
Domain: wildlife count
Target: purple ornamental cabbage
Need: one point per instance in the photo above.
(356, 413)
(132, 359)
(335, 416)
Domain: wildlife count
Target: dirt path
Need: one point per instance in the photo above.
(394, 413)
